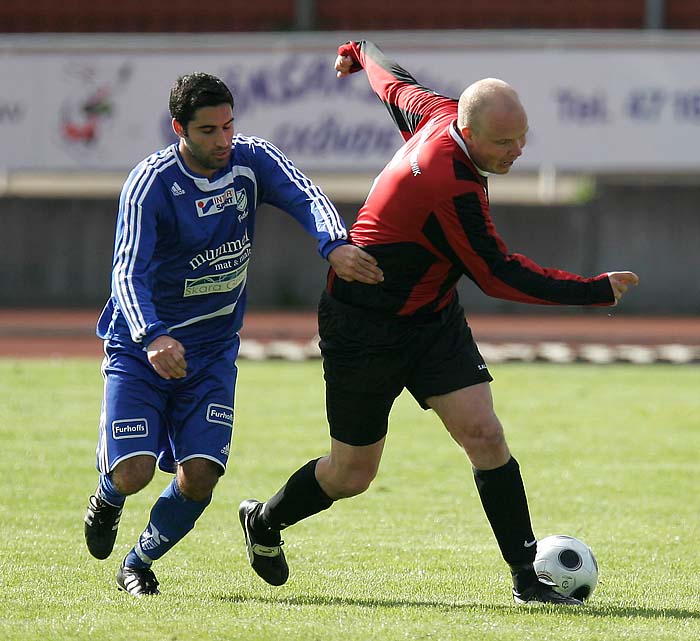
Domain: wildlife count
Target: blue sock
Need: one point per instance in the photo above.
(172, 516)
(108, 492)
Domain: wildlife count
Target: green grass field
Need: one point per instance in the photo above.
(610, 454)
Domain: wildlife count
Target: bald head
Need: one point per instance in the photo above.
(493, 124)
(488, 96)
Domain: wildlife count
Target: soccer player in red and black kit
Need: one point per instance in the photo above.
(426, 221)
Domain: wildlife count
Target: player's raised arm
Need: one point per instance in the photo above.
(409, 103)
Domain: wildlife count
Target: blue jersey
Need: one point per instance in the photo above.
(183, 242)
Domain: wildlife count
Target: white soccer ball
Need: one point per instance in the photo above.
(569, 564)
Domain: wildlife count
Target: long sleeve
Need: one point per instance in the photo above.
(288, 188)
(484, 257)
(409, 103)
(134, 246)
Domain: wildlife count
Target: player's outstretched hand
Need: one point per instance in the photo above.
(167, 356)
(620, 281)
(352, 263)
(342, 66)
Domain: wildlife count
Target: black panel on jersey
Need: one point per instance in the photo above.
(406, 121)
(452, 277)
(511, 272)
(471, 216)
(392, 67)
(436, 235)
(403, 264)
(465, 172)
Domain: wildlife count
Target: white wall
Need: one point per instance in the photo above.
(597, 102)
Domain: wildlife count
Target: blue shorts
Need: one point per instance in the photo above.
(171, 420)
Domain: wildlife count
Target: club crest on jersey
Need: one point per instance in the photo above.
(216, 204)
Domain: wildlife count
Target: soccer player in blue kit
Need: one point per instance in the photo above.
(183, 242)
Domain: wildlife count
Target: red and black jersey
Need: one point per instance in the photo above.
(426, 219)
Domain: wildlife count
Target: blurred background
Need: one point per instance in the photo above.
(609, 179)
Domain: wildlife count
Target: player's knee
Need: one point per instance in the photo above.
(133, 474)
(197, 478)
(197, 489)
(352, 483)
(485, 434)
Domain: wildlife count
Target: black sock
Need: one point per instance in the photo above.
(301, 497)
(523, 577)
(503, 496)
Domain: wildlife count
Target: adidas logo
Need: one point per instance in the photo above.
(177, 190)
(152, 538)
(226, 449)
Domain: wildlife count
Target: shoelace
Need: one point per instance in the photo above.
(95, 507)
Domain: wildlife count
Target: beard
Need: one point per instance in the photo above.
(206, 160)
(211, 160)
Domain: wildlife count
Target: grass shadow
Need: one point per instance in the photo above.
(622, 612)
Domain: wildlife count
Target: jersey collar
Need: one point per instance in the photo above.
(202, 182)
(454, 132)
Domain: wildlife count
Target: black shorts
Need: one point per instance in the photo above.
(369, 358)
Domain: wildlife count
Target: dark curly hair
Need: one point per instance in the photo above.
(196, 90)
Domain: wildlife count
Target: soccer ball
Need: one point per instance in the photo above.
(569, 564)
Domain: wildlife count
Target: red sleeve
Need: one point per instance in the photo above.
(409, 103)
(485, 259)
